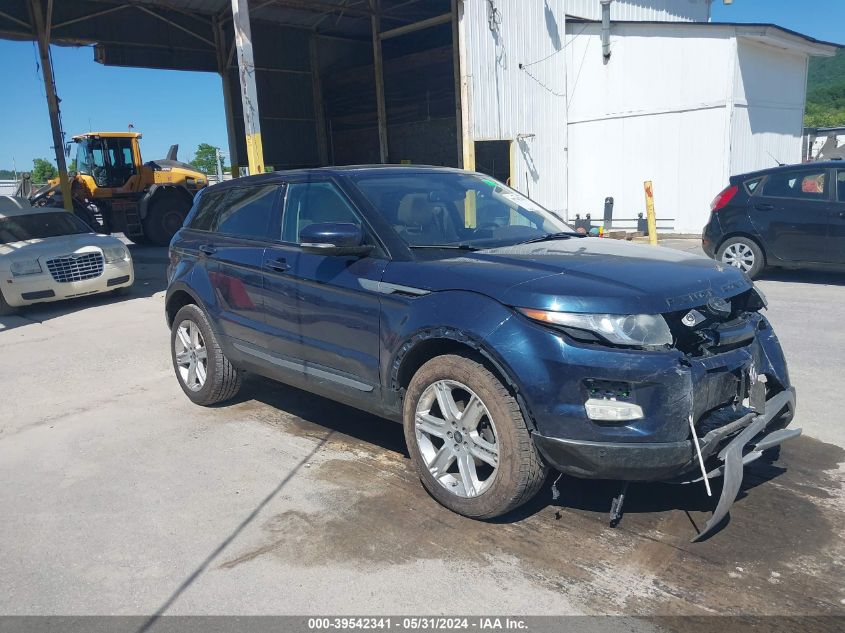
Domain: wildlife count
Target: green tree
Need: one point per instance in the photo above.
(205, 159)
(43, 170)
(72, 166)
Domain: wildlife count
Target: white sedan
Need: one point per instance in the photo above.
(48, 254)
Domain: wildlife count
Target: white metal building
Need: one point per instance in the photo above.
(680, 101)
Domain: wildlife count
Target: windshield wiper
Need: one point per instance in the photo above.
(457, 247)
(548, 237)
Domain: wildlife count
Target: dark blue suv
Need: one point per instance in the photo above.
(504, 341)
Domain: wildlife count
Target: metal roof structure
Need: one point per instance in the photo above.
(282, 72)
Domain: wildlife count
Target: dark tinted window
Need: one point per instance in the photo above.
(246, 212)
(210, 203)
(840, 185)
(802, 185)
(18, 228)
(314, 203)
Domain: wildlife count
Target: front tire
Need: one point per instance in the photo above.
(468, 439)
(202, 369)
(743, 253)
(166, 215)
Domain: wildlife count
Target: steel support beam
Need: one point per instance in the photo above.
(416, 26)
(456, 71)
(41, 31)
(378, 67)
(249, 93)
(467, 143)
(319, 111)
(226, 85)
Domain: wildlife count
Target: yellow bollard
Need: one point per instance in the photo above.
(649, 209)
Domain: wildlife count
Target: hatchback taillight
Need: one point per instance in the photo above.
(722, 200)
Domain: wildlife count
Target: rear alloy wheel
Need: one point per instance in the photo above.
(468, 440)
(742, 253)
(204, 373)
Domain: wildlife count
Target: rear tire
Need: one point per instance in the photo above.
(165, 216)
(478, 458)
(743, 253)
(202, 369)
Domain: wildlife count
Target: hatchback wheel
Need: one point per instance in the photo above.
(742, 253)
(204, 373)
(468, 439)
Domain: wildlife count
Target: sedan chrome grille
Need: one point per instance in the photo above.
(76, 267)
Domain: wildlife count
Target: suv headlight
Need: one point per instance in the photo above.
(115, 254)
(25, 267)
(638, 330)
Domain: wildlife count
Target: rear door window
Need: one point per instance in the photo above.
(247, 212)
(799, 185)
(840, 185)
(210, 205)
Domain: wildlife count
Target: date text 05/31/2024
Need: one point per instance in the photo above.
(422, 623)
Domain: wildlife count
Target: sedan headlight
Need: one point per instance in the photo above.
(115, 254)
(639, 330)
(25, 267)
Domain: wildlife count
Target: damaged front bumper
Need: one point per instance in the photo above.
(667, 461)
(724, 452)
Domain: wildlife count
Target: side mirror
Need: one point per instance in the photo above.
(333, 238)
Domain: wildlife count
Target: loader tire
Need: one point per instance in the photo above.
(165, 216)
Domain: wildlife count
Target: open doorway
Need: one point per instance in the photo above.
(494, 159)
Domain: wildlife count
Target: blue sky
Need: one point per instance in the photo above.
(187, 108)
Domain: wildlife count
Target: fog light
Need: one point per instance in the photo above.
(612, 410)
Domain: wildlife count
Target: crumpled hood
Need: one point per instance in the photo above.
(580, 275)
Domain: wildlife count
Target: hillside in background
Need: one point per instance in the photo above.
(826, 91)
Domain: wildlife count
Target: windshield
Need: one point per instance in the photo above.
(454, 209)
(38, 226)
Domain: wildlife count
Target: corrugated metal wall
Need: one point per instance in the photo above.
(768, 119)
(657, 111)
(525, 104)
(681, 105)
(643, 10)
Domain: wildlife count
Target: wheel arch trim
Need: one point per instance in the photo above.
(455, 336)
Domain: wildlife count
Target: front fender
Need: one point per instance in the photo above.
(465, 317)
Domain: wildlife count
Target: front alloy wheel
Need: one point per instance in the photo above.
(457, 438)
(468, 439)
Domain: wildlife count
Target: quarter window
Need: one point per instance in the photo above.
(314, 203)
(802, 185)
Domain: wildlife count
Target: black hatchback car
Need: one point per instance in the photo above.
(504, 341)
(791, 216)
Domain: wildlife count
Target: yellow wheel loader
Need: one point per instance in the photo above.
(114, 191)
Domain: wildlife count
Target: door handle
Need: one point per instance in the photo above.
(279, 265)
(208, 249)
(763, 206)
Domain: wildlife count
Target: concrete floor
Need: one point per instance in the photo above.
(121, 497)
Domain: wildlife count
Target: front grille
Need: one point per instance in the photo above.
(715, 333)
(76, 267)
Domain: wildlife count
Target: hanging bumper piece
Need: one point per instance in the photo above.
(745, 448)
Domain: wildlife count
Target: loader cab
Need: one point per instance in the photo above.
(110, 161)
